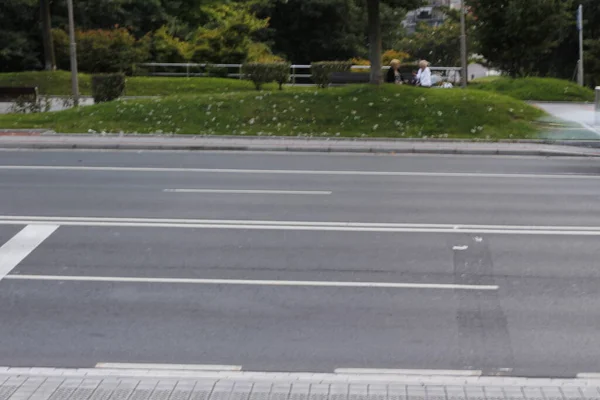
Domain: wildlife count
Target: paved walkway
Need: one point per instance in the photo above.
(39, 140)
(115, 384)
(103, 384)
(570, 121)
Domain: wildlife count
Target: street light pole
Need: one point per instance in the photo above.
(73, 52)
(580, 28)
(463, 45)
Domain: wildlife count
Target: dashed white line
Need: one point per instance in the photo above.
(170, 367)
(16, 249)
(421, 372)
(251, 282)
(250, 191)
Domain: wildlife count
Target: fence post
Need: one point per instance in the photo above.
(187, 70)
(240, 72)
(293, 75)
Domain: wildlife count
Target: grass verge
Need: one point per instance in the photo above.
(352, 111)
(536, 89)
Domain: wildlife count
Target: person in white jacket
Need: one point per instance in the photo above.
(424, 74)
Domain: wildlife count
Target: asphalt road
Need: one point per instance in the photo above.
(517, 293)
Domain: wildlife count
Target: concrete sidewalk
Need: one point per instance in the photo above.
(41, 140)
(140, 384)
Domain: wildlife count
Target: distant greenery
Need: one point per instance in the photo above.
(352, 111)
(536, 89)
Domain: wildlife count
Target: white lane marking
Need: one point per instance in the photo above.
(301, 225)
(16, 249)
(301, 172)
(171, 367)
(428, 372)
(249, 191)
(251, 282)
(460, 248)
(588, 375)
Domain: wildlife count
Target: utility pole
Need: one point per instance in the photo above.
(463, 46)
(580, 29)
(73, 51)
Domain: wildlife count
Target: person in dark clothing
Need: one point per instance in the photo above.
(393, 74)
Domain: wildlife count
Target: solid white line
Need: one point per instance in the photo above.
(428, 372)
(302, 225)
(171, 367)
(300, 172)
(16, 249)
(250, 282)
(248, 191)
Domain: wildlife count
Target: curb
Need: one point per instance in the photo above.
(298, 149)
(299, 377)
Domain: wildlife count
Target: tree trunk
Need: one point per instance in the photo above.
(374, 40)
(49, 60)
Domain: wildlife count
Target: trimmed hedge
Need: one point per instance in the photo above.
(321, 71)
(261, 73)
(107, 87)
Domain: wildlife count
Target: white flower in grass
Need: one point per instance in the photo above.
(353, 112)
(251, 121)
(274, 118)
(490, 109)
(380, 115)
(355, 99)
(473, 130)
(337, 134)
(439, 113)
(371, 104)
(375, 127)
(510, 110)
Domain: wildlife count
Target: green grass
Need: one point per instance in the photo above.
(352, 111)
(536, 89)
(59, 83)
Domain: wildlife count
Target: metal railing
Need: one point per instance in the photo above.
(200, 69)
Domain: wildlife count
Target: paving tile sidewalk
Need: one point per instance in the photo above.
(101, 384)
(37, 140)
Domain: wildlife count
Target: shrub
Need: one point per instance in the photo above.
(258, 73)
(107, 87)
(261, 73)
(217, 72)
(321, 71)
(281, 73)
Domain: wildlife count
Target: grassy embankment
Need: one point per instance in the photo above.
(229, 107)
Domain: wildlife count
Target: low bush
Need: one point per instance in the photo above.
(281, 73)
(261, 73)
(321, 71)
(107, 87)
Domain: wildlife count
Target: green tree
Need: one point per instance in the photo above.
(20, 39)
(440, 45)
(374, 29)
(228, 37)
(516, 35)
